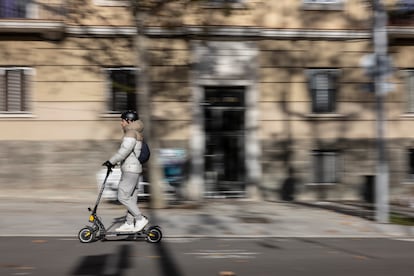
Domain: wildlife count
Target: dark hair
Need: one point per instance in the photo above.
(130, 115)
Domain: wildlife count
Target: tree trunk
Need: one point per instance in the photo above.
(144, 109)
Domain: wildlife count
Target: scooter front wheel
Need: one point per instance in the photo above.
(86, 235)
(154, 235)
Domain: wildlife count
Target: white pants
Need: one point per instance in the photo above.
(128, 195)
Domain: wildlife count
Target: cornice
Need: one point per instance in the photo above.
(100, 30)
(197, 31)
(10, 26)
(259, 33)
(403, 32)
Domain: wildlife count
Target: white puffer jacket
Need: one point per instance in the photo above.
(130, 148)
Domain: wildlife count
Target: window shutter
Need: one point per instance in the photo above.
(330, 167)
(14, 88)
(322, 86)
(325, 166)
(410, 90)
(333, 88)
(2, 90)
(27, 89)
(322, 1)
(322, 92)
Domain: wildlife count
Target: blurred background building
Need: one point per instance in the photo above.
(266, 98)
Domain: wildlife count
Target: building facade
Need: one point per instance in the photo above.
(268, 98)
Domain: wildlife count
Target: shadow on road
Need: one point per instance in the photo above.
(168, 266)
(107, 264)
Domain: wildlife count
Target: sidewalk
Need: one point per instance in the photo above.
(54, 214)
(227, 218)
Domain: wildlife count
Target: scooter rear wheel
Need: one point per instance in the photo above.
(86, 235)
(154, 235)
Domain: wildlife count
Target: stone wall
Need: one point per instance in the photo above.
(357, 163)
(49, 164)
(74, 164)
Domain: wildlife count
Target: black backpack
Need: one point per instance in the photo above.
(145, 153)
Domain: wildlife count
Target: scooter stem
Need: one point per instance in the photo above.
(108, 172)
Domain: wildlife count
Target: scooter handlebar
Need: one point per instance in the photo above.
(108, 170)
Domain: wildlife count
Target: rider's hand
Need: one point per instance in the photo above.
(108, 164)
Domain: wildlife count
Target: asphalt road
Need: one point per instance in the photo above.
(207, 257)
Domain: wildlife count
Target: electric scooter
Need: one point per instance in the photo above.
(97, 230)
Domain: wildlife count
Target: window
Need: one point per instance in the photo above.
(411, 164)
(324, 166)
(121, 89)
(327, 2)
(15, 86)
(113, 3)
(322, 84)
(17, 8)
(409, 84)
(323, 4)
(406, 5)
(225, 3)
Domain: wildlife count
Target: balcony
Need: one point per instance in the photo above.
(32, 16)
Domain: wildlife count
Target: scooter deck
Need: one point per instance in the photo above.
(140, 233)
(126, 235)
(129, 233)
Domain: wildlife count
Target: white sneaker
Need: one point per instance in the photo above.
(125, 228)
(140, 224)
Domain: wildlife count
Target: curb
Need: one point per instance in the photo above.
(183, 236)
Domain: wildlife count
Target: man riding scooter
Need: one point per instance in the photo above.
(131, 168)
